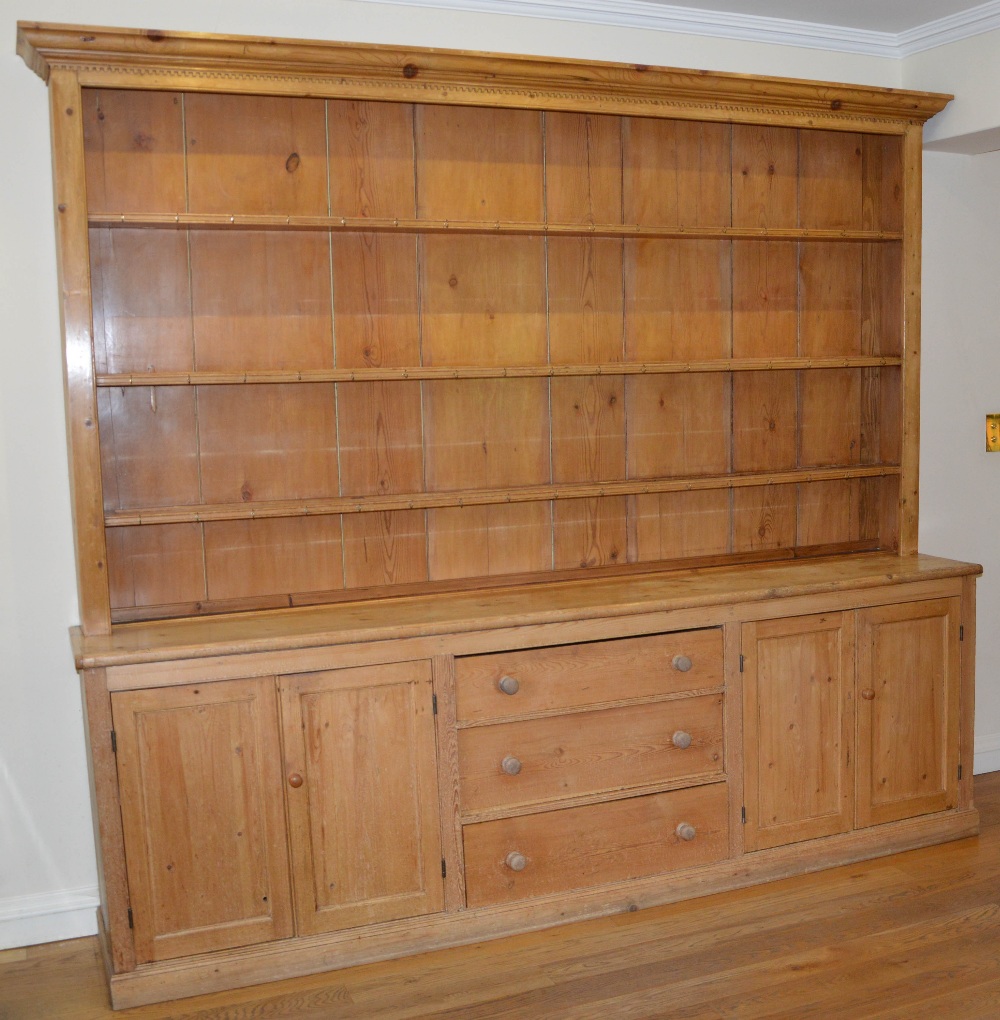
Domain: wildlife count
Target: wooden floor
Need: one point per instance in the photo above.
(915, 935)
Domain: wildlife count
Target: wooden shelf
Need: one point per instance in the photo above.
(476, 497)
(399, 225)
(417, 372)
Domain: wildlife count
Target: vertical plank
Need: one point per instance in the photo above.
(672, 525)
(256, 154)
(909, 481)
(585, 306)
(381, 452)
(677, 300)
(882, 299)
(583, 168)
(676, 173)
(882, 182)
(267, 442)
(588, 429)
(764, 517)
(156, 565)
(452, 848)
(273, 556)
(483, 300)
(375, 310)
(678, 424)
(483, 541)
(829, 512)
(134, 142)
(384, 548)
(149, 446)
(104, 800)
(589, 532)
(830, 417)
(142, 301)
(261, 300)
(830, 180)
(371, 158)
(967, 720)
(765, 299)
(734, 740)
(765, 162)
(765, 431)
(76, 315)
(830, 298)
(478, 163)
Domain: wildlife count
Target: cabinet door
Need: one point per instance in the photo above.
(798, 726)
(199, 768)
(908, 679)
(362, 795)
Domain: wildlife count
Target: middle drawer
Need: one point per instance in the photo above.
(533, 761)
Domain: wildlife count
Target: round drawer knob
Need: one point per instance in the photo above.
(686, 831)
(511, 765)
(682, 663)
(295, 780)
(509, 685)
(516, 861)
(681, 739)
(868, 694)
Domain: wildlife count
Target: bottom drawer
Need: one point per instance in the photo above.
(533, 855)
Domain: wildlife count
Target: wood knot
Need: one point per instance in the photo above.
(452, 281)
(292, 163)
(410, 70)
(246, 493)
(836, 104)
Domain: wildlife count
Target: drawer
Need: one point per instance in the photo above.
(577, 676)
(578, 848)
(536, 760)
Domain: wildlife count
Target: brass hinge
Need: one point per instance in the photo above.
(961, 632)
(741, 663)
(131, 922)
(114, 742)
(959, 771)
(743, 814)
(444, 868)
(434, 703)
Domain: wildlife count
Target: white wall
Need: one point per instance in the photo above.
(48, 885)
(959, 481)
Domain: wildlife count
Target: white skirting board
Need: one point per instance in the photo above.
(987, 757)
(48, 917)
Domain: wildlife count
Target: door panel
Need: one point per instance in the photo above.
(798, 722)
(201, 795)
(361, 785)
(908, 679)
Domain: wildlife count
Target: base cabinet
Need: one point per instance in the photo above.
(844, 733)
(285, 811)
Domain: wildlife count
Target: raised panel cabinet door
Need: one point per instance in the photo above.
(361, 784)
(199, 768)
(798, 728)
(909, 666)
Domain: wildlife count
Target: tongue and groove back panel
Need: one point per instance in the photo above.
(345, 347)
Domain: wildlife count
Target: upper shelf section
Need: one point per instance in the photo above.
(112, 57)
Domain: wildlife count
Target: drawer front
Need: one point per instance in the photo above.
(577, 676)
(578, 848)
(536, 760)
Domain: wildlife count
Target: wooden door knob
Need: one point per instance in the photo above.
(511, 765)
(686, 831)
(681, 739)
(868, 694)
(509, 685)
(516, 861)
(682, 663)
(295, 780)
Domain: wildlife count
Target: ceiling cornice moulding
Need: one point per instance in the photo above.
(740, 27)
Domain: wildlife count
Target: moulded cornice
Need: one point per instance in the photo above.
(175, 60)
